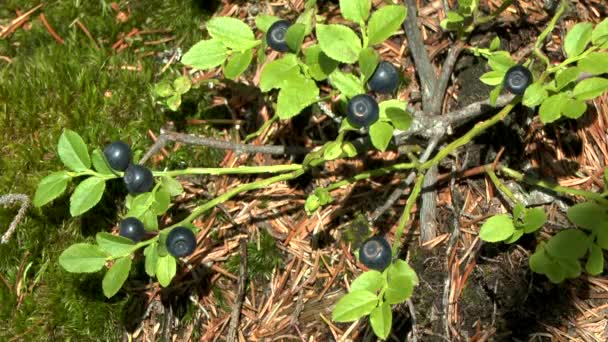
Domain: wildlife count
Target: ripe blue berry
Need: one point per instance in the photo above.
(275, 37)
(181, 242)
(132, 228)
(517, 79)
(118, 154)
(385, 79)
(362, 110)
(375, 253)
(138, 179)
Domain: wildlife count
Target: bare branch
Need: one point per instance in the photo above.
(10, 199)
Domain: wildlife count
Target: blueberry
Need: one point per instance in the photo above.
(385, 79)
(138, 179)
(118, 154)
(517, 79)
(181, 242)
(375, 253)
(275, 37)
(362, 110)
(132, 228)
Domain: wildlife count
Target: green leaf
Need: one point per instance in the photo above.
(171, 185)
(577, 39)
(51, 187)
(590, 88)
(182, 84)
(595, 260)
(381, 319)
(140, 204)
(453, 21)
(568, 244)
(174, 102)
(151, 254)
(535, 95)
(356, 11)
(494, 94)
(83, 258)
(401, 281)
(354, 305)
(370, 281)
(163, 89)
(238, 64)
(100, 164)
(500, 61)
(73, 151)
(587, 215)
(572, 267)
(232, 32)
(566, 76)
(381, 134)
(550, 110)
(319, 65)
(295, 36)
(86, 195)
(492, 78)
(312, 203)
(297, 94)
(595, 63)
(533, 219)
(333, 150)
(349, 149)
(347, 83)
(541, 263)
(307, 18)
(264, 21)
(385, 22)
(599, 37)
(368, 61)
(166, 267)
(116, 276)
(339, 42)
(205, 54)
(115, 246)
(601, 230)
(150, 220)
(518, 233)
(574, 109)
(495, 44)
(276, 73)
(394, 111)
(497, 228)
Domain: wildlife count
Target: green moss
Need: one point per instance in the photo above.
(262, 257)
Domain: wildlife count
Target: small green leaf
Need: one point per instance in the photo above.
(595, 261)
(83, 258)
(297, 94)
(162, 201)
(307, 18)
(172, 186)
(150, 220)
(116, 276)
(587, 215)
(401, 282)
(205, 54)
(354, 305)
(571, 267)
(370, 281)
(533, 219)
(73, 151)
(577, 39)
(493, 77)
(601, 230)
(312, 203)
(495, 44)
(151, 255)
(497, 228)
(264, 21)
(595, 63)
(115, 246)
(518, 233)
(535, 95)
(381, 134)
(599, 37)
(550, 110)
(349, 149)
(494, 94)
(381, 319)
(182, 84)
(333, 150)
(347, 83)
(356, 11)
(590, 88)
(394, 111)
(500, 61)
(163, 89)
(453, 21)
(339, 42)
(319, 65)
(276, 73)
(574, 109)
(541, 263)
(166, 267)
(51, 187)
(232, 32)
(368, 61)
(86, 195)
(385, 22)
(174, 102)
(295, 36)
(566, 76)
(100, 164)
(568, 244)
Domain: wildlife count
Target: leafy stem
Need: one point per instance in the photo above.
(405, 217)
(94, 174)
(262, 129)
(229, 171)
(371, 173)
(541, 38)
(499, 185)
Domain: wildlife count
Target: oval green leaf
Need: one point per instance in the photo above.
(86, 195)
(385, 22)
(205, 54)
(166, 267)
(51, 187)
(590, 88)
(354, 305)
(83, 258)
(381, 319)
(381, 134)
(116, 276)
(73, 151)
(339, 42)
(577, 39)
(370, 281)
(115, 246)
(497, 228)
(232, 32)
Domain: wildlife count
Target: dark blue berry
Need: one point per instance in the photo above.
(517, 79)
(375, 253)
(362, 110)
(118, 154)
(385, 79)
(181, 242)
(138, 179)
(132, 228)
(275, 37)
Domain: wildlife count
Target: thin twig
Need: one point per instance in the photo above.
(240, 295)
(10, 199)
(51, 30)
(410, 306)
